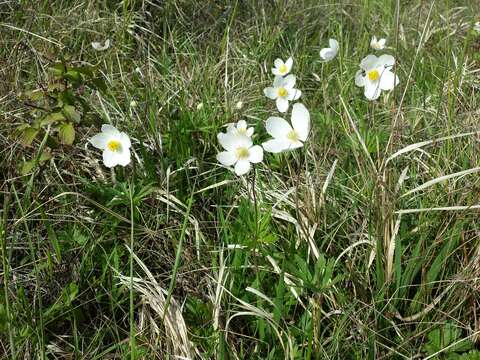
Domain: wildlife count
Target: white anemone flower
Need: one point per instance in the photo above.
(239, 151)
(286, 136)
(377, 44)
(282, 68)
(240, 128)
(476, 27)
(115, 145)
(99, 46)
(329, 53)
(376, 75)
(283, 91)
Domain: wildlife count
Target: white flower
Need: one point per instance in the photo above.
(240, 152)
(115, 146)
(239, 105)
(240, 128)
(328, 54)
(283, 91)
(99, 46)
(286, 136)
(282, 68)
(476, 27)
(376, 75)
(377, 44)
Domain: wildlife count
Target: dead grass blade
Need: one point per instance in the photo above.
(154, 295)
(440, 179)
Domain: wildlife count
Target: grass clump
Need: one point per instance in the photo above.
(361, 244)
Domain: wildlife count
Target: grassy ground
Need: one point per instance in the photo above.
(335, 251)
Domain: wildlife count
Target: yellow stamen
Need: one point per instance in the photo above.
(242, 153)
(292, 136)
(373, 75)
(282, 92)
(283, 69)
(114, 145)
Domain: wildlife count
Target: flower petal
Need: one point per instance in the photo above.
(231, 141)
(270, 92)
(110, 129)
(301, 120)
(277, 127)
(372, 91)
(250, 131)
(125, 140)
(242, 167)
(388, 80)
(294, 145)
(255, 154)
(275, 71)
(123, 157)
(243, 141)
(110, 158)
(327, 54)
(226, 158)
(278, 63)
(369, 62)
(289, 81)
(242, 124)
(386, 60)
(278, 81)
(294, 94)
(282, 104)
(289, 64)
(334, 45)
(99, 46)
(276, 145)
(231, 128)
(100, 140)
(359, 78)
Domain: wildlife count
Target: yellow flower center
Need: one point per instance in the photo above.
(292, 136)
(114, 145)
(282, 92)
(373, 75)
(242, 153)
(283, 69)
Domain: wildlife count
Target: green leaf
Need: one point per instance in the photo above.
(70, 293)
(52, 236)
(45, 156)
(85, 70)
(71, 113)
(21, 128)
(66, 97)
(66, 134)
(52, 118)
(442, 337)
(73, 76)
(57, 70)
(34, 95)
(472, 355)
(28, 135)
(27, 167)
(99, 84)
(55, 87)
